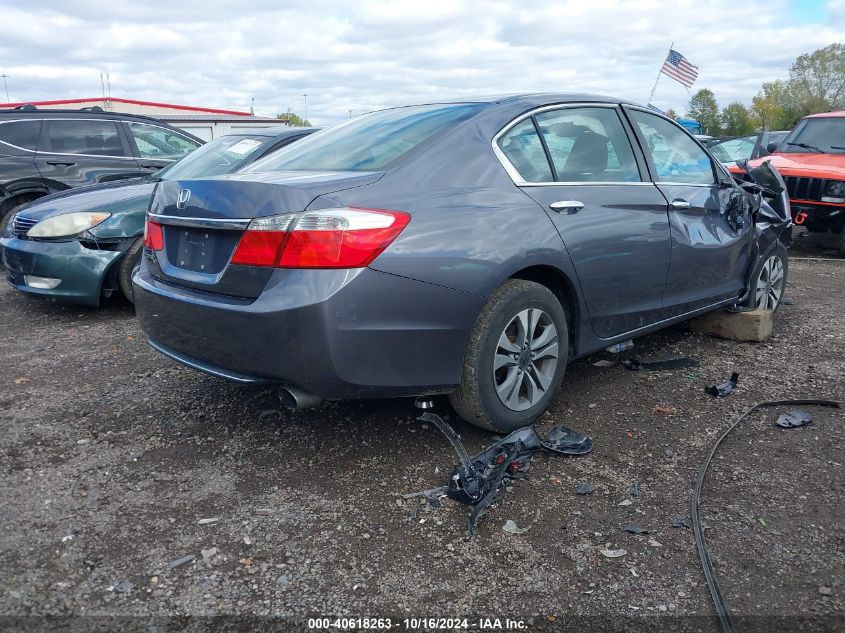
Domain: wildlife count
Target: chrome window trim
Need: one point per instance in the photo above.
(519, 181)
(202, 223)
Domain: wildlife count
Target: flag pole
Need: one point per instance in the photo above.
(659, 72)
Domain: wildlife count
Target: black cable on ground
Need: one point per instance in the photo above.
(703, 554)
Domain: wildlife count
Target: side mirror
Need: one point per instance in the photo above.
(771, 147)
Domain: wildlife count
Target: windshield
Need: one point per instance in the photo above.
(367, 143)
(819, 135)
(734, 149)
(221, 156)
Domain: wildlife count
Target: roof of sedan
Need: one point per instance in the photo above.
(531, 97)
(273, 132)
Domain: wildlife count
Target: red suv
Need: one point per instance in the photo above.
(812, 162)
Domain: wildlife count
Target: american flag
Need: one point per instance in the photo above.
(678, 68)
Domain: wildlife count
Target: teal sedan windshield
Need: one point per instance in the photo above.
(221, 156)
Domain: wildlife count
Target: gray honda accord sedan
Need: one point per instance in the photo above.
(465, 248)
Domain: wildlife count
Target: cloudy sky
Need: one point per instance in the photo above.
(365, 55)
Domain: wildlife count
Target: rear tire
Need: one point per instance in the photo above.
(130, 260)
(515, 359)
(768, 282)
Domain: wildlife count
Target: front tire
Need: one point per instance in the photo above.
(515, 359)
(130, 260)
(768, 282)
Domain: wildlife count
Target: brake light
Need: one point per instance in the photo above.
(153, 236)
(329, 238)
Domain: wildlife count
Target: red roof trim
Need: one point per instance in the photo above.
(822, 115)
(132, 101)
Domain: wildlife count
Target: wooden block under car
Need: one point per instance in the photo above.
(755, 325)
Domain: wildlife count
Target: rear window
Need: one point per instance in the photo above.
(221, 156)
(21, 134)
(367, 143)
(94, 138)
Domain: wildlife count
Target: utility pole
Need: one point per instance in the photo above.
(305, 96)
(5, 77)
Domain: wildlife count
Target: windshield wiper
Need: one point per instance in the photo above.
(808, 146)
(837, 147)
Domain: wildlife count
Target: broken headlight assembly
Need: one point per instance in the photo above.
(67, 224)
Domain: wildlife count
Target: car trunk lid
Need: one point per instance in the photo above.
(202, 221)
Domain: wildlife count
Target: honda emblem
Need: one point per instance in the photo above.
(182, 200)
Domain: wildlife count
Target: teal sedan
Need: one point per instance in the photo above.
(82, 245)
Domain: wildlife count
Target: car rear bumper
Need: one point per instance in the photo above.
(80, 270)
(332, 333)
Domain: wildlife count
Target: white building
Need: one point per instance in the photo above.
(206, 123)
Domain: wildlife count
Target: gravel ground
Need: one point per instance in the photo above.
(112, 456)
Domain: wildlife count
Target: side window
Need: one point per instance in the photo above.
(159, 142)
(733, 150)
(22, 134)
(588, 145)
(95, 138)
(523, 149)
(676, 157)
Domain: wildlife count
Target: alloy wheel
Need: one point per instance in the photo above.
(770, 284)
(526, 359)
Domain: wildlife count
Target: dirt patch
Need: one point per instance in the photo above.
(112, 454)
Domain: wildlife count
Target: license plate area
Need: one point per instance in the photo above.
(200, 250)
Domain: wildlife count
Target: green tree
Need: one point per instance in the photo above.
(704, 109)
(672, 114)
(818, 79)
(774, 107)
(294, 120)
(736, 120)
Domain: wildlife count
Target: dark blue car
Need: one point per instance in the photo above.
(469, 248)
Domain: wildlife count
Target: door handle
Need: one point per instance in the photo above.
(680, 203)
(570, 206)
(151, 166)
(61, 162)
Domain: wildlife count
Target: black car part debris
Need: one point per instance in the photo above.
(585, 488)
(660, 365)
(703, 554)
(793, 419)
(477, 480)
(725, 388)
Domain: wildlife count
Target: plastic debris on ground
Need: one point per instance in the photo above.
(794, 419)
(680, 522)
(633, 529)
(604, 363)
(181, 561)
(585, 488)
(477, 480)
(635, 364)
(511, 528)
(613, 553)
(634, 489)
(725, 388)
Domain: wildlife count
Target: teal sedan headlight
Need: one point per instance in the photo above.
(67, 224)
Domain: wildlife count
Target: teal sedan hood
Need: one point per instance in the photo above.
(127, 203)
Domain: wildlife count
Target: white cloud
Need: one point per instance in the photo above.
(366, 55)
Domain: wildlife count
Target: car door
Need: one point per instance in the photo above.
(578, 163)
(76, 152)
(157, 146)
(710, 225)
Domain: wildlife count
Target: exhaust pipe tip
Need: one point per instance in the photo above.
(296, 399)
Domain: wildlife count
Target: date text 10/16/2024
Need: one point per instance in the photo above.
(411, 624)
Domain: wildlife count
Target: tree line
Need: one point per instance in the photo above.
(816, 84)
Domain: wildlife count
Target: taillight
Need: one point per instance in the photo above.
(329, 238)
(153, 236)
